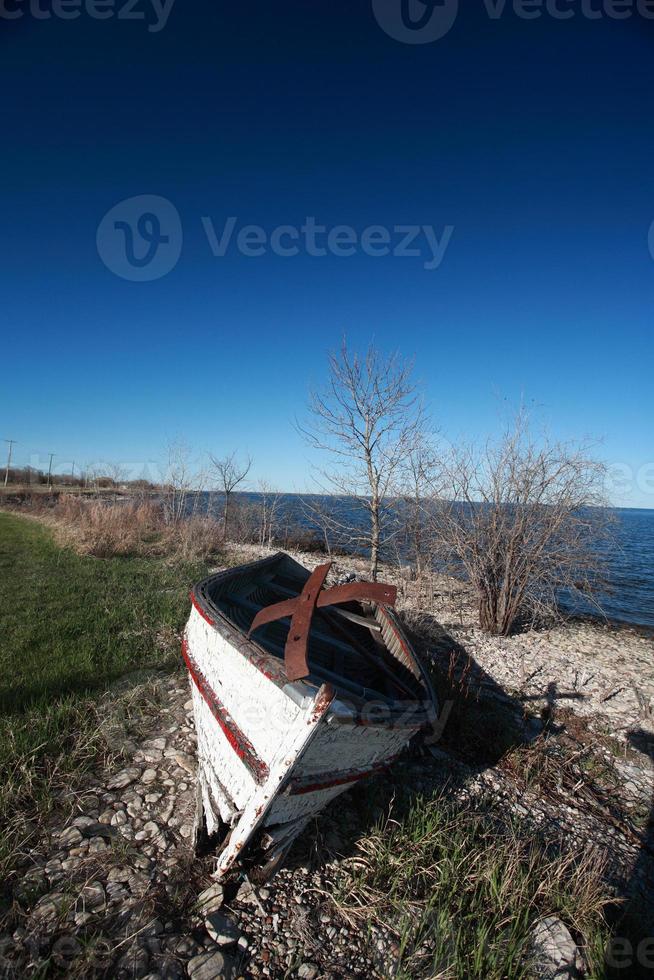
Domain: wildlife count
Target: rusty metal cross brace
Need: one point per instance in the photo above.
(302, 608)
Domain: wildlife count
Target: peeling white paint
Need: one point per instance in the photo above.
(297, 736)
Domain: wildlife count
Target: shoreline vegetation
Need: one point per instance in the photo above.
(548, 752)
(114, 520)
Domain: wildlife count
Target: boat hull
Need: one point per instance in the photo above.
(272, 754)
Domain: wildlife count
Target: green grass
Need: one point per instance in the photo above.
(457, 887)
(74, 624)
(71, 627)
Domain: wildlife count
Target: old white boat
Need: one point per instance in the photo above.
(298, 692)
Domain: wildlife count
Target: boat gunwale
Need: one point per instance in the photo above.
(273, 668)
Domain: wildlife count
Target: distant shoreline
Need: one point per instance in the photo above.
(628, 604)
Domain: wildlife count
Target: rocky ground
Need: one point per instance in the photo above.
(116, 891)
(113, 889)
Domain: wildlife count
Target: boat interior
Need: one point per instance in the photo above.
(352, 646)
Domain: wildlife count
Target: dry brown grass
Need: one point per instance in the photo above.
(107, 530)
(196, 537)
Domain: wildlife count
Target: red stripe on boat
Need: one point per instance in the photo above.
(200, 609)
(313, 784)
(236, 738)
(265, 664)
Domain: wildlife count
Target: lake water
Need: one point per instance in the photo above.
(630, 599)
(631, 570)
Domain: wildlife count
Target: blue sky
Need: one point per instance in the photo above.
(533, 140)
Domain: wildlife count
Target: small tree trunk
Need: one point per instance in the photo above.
(374, 539)
(488, 613)
(225, 516)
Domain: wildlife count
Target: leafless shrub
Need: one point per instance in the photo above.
(268, 504)
(365, 422)
(181, 483)
(230, 474)
(420, 476)
(526, 524)
(320, 519)
(244, 520)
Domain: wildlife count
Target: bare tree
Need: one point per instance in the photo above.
(268, 504)
(178, 482)
(365, 422)
(526, 523)
(229, 474)
(419, 482)
(116, 472)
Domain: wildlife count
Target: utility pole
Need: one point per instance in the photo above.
(11, 442)
(50, 468)
(72, 472)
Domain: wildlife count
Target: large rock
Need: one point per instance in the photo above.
(221, 929)
(91, 897)
(210, 966)
(555, 955)
(211, 899)
(51, 907)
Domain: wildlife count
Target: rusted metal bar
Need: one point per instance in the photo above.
(301, 611)
(366, 621)
(295, 653)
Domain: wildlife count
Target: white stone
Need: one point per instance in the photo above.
(308, 971)
(155, 743)
(124, 778)
(555, 953)
(70, 837)
(92, 896)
